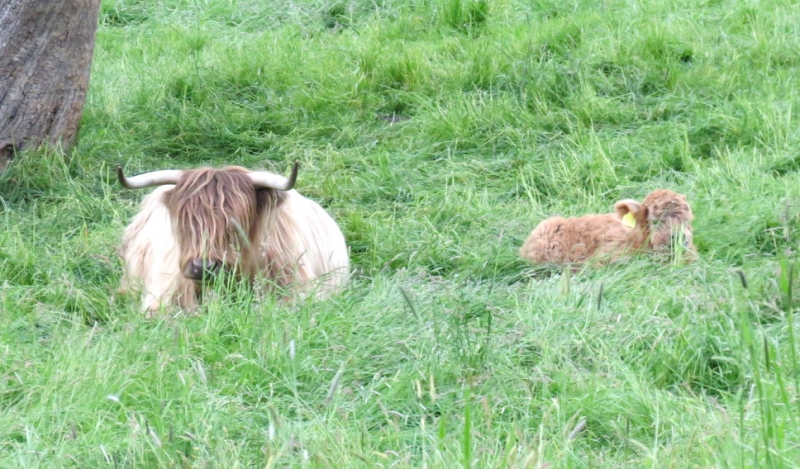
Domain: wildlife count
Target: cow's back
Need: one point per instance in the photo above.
(304, 249)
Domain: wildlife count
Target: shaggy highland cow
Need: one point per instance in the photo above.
(250, 223)
(662, 222)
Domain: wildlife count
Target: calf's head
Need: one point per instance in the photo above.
(661, 223)
(215, 213)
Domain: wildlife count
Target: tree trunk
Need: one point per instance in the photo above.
(46, 49)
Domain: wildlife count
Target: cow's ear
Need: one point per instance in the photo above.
(624, 207)
(628, 211)
(167, 197)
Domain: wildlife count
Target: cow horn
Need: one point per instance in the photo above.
(267, 180)
(153, 178)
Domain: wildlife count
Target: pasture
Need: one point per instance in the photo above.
(437, 133)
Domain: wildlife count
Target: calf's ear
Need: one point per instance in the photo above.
(627, 206)
(628, 211)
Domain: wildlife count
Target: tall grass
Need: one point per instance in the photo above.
(437, 133)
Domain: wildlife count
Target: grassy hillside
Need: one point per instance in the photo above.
(437, 133)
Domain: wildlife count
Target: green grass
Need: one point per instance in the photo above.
(437, 133)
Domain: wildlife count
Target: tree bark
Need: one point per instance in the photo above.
(46, 49)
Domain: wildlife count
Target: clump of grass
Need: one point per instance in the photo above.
(464, 15)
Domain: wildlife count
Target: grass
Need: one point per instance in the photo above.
(437, 134)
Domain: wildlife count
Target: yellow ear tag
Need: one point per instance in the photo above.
(628, 220)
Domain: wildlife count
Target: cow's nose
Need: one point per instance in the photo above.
(198, 269)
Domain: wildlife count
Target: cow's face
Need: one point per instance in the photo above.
(213, 215)
(669, 222)
(662, 223)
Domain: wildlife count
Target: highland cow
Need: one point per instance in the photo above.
(662, 223)
(251, 224)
